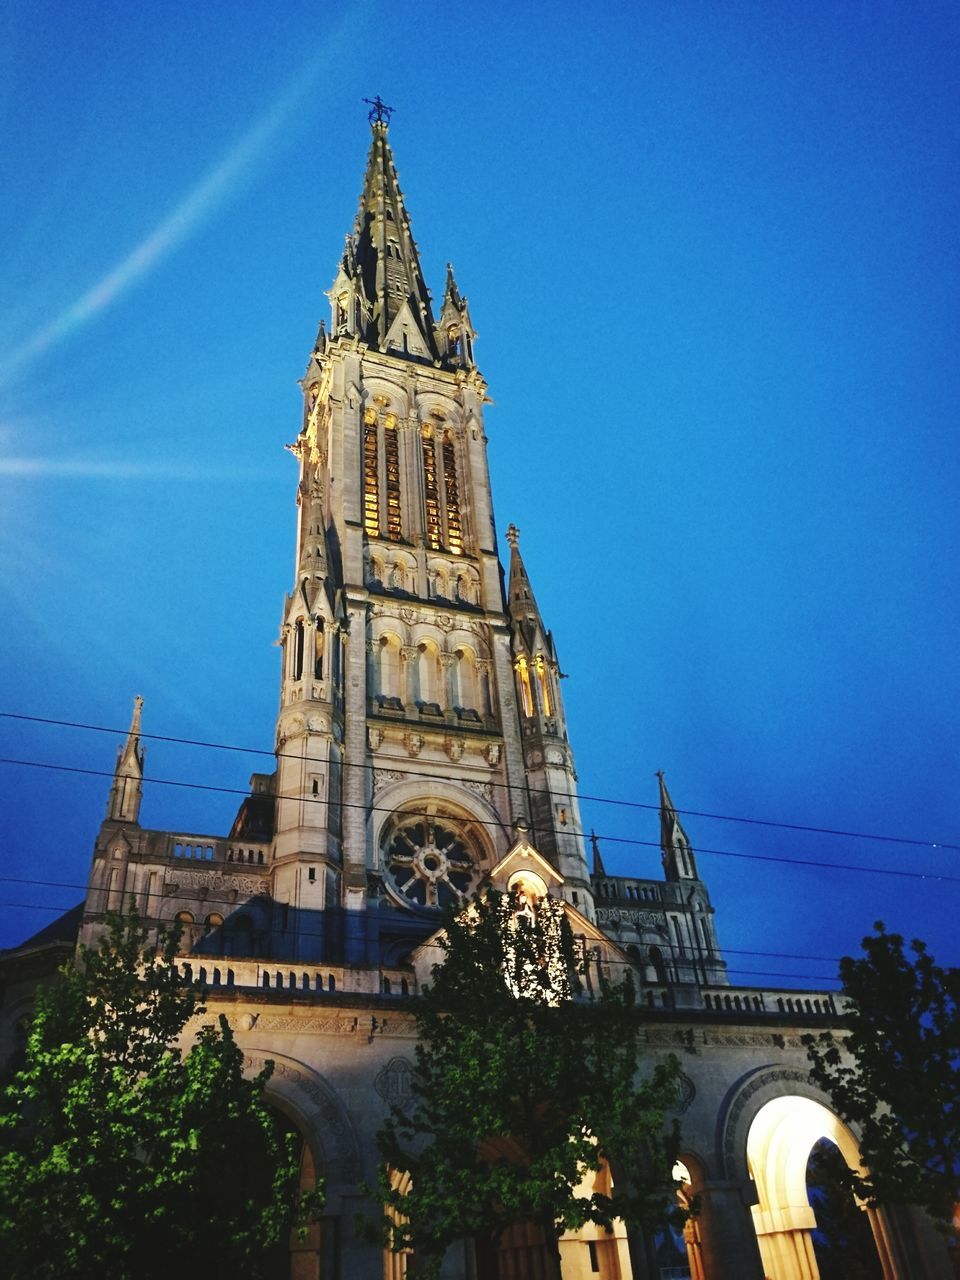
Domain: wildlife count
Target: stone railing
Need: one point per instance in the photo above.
(215, 850)
(225, 972)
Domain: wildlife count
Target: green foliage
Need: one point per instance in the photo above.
(902, 1087)
(519, 1090)
(121, 1155)
(842, 1242)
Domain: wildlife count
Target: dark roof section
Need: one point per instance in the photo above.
(64, 929)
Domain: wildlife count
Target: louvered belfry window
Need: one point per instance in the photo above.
(431, 491)
(371, 477)
(391, 450)
(454, 528)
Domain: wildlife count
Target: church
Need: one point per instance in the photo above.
(421, 750)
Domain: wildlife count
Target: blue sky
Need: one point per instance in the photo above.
(711, 252)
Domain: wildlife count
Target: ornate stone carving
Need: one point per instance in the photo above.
(178, 877)
(383, 777)
(444, 622)
(395, 1083)
(308, 1024)
(374, 740)
(493, 754)
(686, 1092)
(413, 743)
(630, 915)
(484, 789)
(454, 748)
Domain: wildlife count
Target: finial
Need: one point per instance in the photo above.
(513, 536)
(137, 708)
(379, 111)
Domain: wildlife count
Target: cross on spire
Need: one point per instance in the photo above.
(379, 110)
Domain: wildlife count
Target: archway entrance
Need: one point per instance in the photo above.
(782, 1136)
(313, 1256)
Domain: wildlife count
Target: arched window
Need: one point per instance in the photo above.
(391, 467)
(428, 673)
(454, 526)
(371, 476)
(430, 490)
(318, 639)
(543, 685)
(467, 679)
(298, 650)
(656, 961)
(523, 681)
(390, 667)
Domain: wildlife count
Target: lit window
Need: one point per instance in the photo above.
(371, 477)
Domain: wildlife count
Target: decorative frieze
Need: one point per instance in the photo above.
(631, 915)
(181, 878)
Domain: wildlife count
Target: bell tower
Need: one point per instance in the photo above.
(402, 764)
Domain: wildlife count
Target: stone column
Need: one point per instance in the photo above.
(727, 1236)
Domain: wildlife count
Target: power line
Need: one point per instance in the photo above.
(486, 822)
(416, 773)
(274, 962)
(158, 893)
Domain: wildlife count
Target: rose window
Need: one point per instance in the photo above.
(430, 863)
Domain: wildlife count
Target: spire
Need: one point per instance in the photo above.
(381, 264)
(521, 602)
(126, 792)
(678, 860)
(455, 333)
(451, 294)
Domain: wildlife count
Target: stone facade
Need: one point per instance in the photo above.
(421, 746)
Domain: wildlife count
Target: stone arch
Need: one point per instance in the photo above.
(689, 1175)
(396, 796)
(315, 1108)
(773, 1120)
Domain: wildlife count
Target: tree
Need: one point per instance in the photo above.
(519, 1091)
(124, 1156)
(843, 1242)
(895, 1073)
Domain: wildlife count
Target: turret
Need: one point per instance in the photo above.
(455, 333)
(551, 776)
